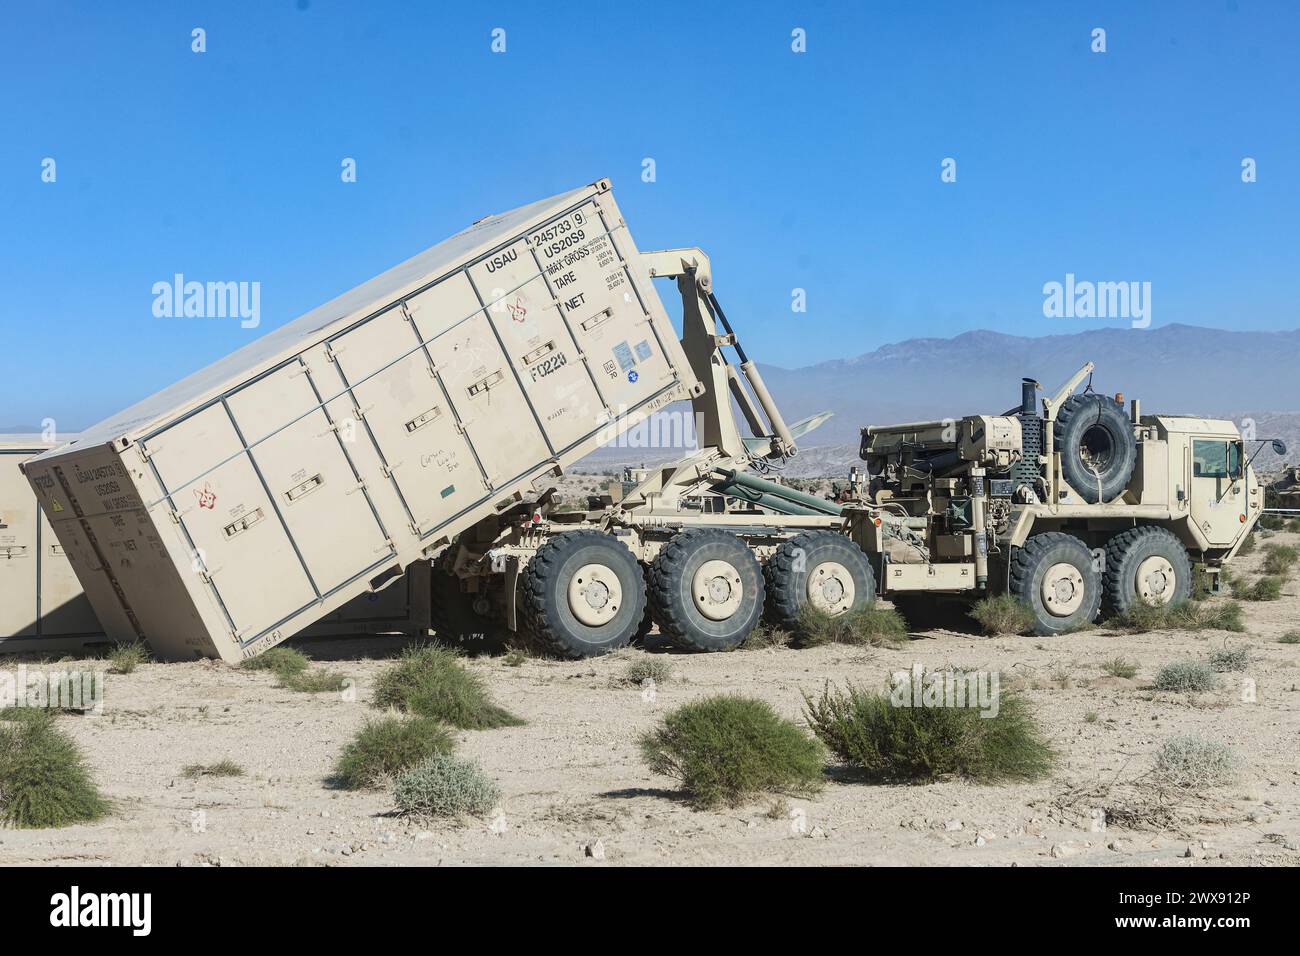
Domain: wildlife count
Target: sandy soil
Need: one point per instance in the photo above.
(576, 791)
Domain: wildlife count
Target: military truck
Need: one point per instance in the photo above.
(1073, 507)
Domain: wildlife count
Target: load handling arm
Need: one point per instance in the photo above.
(721, 445)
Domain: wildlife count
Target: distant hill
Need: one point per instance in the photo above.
(1179, 369)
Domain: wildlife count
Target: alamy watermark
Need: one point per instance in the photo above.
(977, 690)
(208, 300)
(1084, 299)
(81, 691)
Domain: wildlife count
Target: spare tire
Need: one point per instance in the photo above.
(1097, 446)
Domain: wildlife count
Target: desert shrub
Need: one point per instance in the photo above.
(385, 747)
(765, 636)
(1290, 637)
(1248, 545)
(1003, 614)
(1279, 559)
(1272, 522)
(44, 781)
(727, 749)
(646, 668)
(1267, 588)
(222, 768)
(514, 658)
(1195, 762)
(1119, 667)
(1180, 616)
(126, 657)
(445, 786)
(1293, 525)
(284, 662)
(866, 730)
(1229, 659)
(316, 682)
(429, 680)
(872, 626)
(1186, 676)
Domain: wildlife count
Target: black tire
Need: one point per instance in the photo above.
(1092, 431)
(1030, 565)
(549, 611)
(788, 572)
(452, 614)
(679, 611)
(647, 618)
(1127, 552)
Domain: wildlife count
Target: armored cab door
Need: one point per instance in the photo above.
(301, 458)
(65, 609)
(17, 550)
(1218, 488)
(236, 531)
(540, 345)
(407, 413)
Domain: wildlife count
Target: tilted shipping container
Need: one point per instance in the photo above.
(238, 506)
(42, 606)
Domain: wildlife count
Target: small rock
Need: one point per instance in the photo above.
(817, 833)
(388, 836)
(1119, 846)
(980, 841)
(951, 825)
(1194, 851)
(1062, 850)
(596, 850)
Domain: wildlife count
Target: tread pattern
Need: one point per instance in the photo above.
(665, 575)
(1114, 484)
(538, 608)
(1120, 548)
(1027, 558)
(784, 600)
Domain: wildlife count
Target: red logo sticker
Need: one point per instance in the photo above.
(207, 497)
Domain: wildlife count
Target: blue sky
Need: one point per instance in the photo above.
(818, 170)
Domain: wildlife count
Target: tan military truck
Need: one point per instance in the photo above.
(1071, 507)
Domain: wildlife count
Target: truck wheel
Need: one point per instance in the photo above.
(454, 618)
(583, 594)
(1054, 574)
(1098, 450)
(707, 590)
(1148, 565)
(822, 568)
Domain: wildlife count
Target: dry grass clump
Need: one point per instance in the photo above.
(125, 658)
(445, 786)
(1267, 588)
(430, 680)
(1183, 677)
(1120, 667)
(1003, 614)
(647, 668)
(1229, 659)
(1195, 763)
(873, 626)
(868, 731)
(1279, 559)
(1180, 616)
(222, 768)
(385, 747)
(725, 750)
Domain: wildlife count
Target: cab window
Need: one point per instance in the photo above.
(1216, 459)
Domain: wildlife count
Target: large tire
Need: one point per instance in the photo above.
(452, 614)
(583, 594)
(824, 568)
(707, 590)
(1146, 564)
(1092, 431)
(1054, 574)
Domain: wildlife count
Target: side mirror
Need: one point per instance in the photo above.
(1279, 447)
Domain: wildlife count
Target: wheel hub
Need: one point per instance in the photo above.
(1155, 581)
(717, 590)
(1062, 589)
(595, 594)
(831, 588)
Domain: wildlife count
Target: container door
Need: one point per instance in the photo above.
(65, 609)
(410, 418)
(602, 306)
(491, 405)
(310, 479)
(235, 529)
(17, 550)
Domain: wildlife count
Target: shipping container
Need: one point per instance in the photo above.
(42, 606)
(259, 495)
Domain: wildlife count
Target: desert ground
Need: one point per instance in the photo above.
(576, 791)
